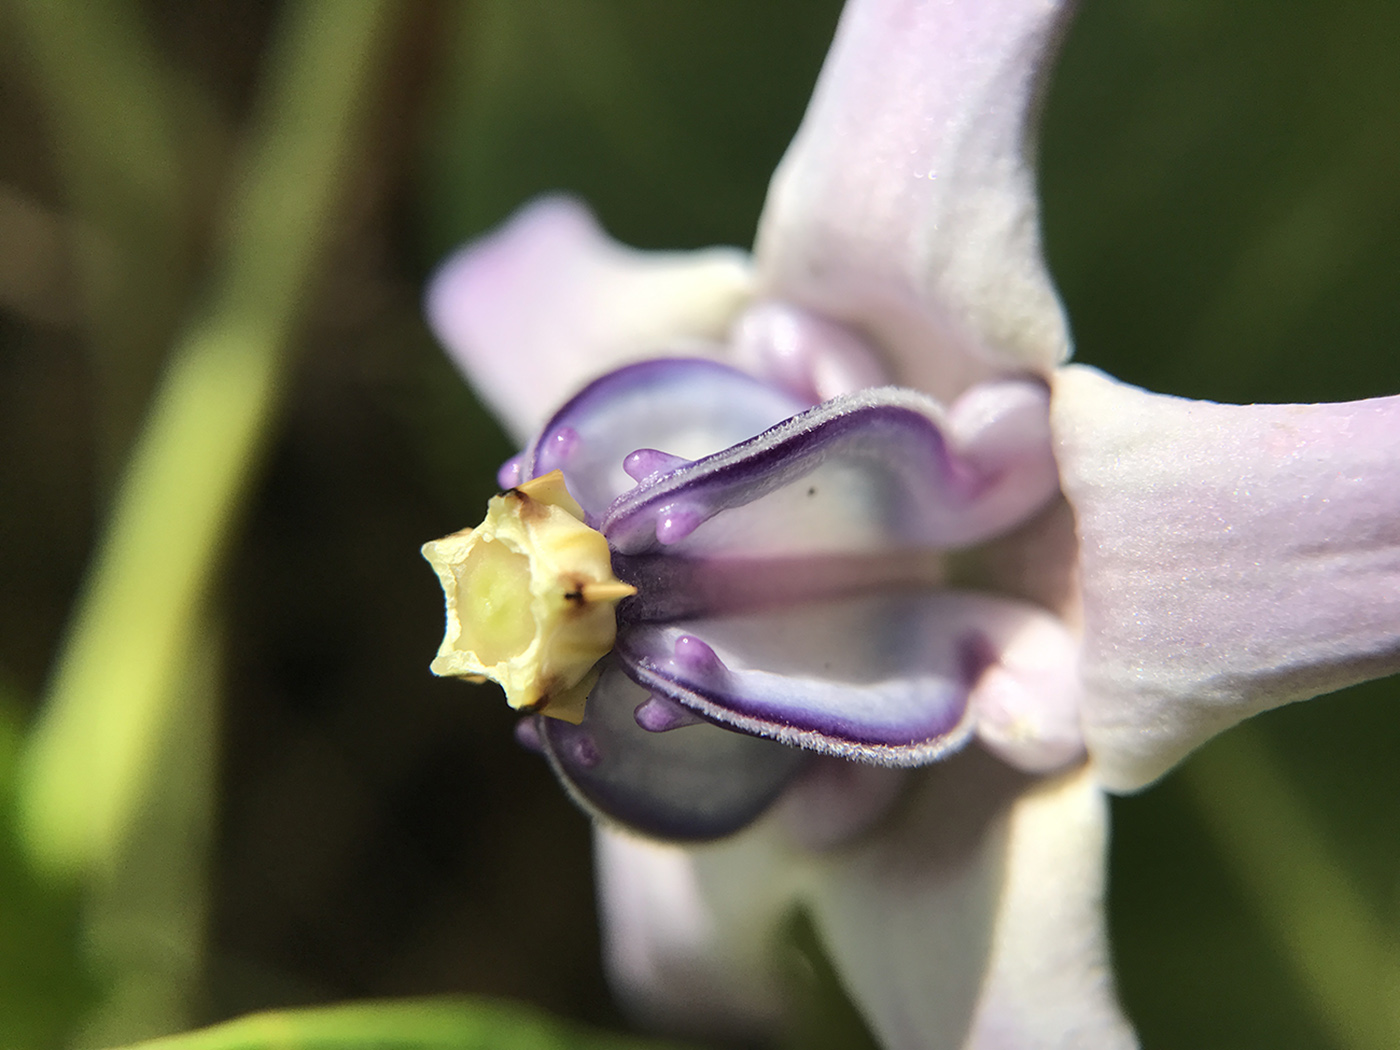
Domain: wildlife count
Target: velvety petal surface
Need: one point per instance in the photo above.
(886, 677)
(690, 783)
(906, 204)
(877, 471)
(805, 352)
(548, 301)
(971, 919)
(974, 919)
(689, 932)
(670, 410)
(1234, 558)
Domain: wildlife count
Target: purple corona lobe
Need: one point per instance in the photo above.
(875, 471)
(647, 462)
(696, 660)
(691, 408)
(527, 735)
(697, 782)
(584, 750)
(511, 473)
(676, 521)
(661, 714)
(563, 443)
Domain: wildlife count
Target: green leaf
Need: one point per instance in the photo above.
(1338, 943)
(421, 1024)
(44, 983)
(91, 760)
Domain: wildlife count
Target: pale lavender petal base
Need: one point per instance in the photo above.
(1234, 558)
(971, 919)
(974, 920)
(1049, 985)
(547, 301)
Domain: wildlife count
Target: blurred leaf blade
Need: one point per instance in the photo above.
(124, 135)
(422, 1024)
(144, 921)
(90, 759)
(1332, 936)
(44, 979)
(127, 133)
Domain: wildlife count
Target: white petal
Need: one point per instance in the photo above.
(1050, 983)
(535, 309)
(689, 932)
(972, 919)
(975, 921)
(906, 204)
(1233, 558)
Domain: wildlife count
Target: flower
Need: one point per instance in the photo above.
(1200, 562)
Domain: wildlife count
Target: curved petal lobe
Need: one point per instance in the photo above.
(1234, 558)
(877, 471)
(975, 919)
(1050, 984)
(690, 783)
(548, 301)
(679, 409)
(970, 920)
(885, 677)
(805, 352)
(906, 204)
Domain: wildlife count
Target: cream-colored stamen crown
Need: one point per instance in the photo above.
(531, 599)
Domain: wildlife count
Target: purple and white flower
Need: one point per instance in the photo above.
(911, 592)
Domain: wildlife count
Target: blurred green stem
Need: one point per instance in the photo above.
(91, 762)
(1341, 954)
(117, 119)
(143, 924)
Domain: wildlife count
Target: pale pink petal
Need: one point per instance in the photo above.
(971, 918)
(804, 352)
(1028, 695)
(906, 205)
(1050, 984)
(689, 932)
(1234, 558)
(548, 301)
(974, 919)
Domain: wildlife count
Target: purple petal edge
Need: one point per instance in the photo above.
(649, 405)
(944, 498)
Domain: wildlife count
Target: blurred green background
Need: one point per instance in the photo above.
(237, 202)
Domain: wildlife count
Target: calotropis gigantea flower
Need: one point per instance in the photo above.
(911, 592)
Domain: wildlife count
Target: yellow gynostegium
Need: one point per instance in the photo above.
(531, 599)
